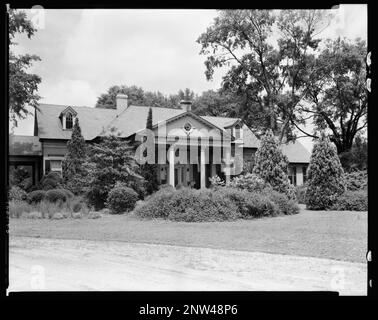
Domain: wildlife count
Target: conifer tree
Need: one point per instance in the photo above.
(75, 157)
(149, 171)
(271, 165)
(325, 176)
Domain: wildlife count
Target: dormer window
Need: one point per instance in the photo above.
(69, 121)
(67, 118)
(237, 131)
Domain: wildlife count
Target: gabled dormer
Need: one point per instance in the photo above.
(67, 118)
(236, 129)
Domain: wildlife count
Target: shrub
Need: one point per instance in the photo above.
(17, 208)
(50, 181)
(16, 193)
(47, 208)
(271, 165)
(325, 176)
(94, 215)
(57, 216)
(121, 199)
(285, 205)
(36, 196)
(352, 200)
(55, 195)
(216, 182)
(250, 182)
(157, 205)
(356, 180)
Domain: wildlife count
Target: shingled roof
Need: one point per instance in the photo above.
(24, 146)
(296, 152)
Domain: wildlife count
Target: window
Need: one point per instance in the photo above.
(53, 166)
(293, 175)
(237, 131)
(69, 121)
(304, 171)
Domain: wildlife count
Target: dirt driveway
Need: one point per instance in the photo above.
(52, 264)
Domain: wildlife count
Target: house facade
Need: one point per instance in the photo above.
(189, 149)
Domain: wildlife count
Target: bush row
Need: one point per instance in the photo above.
(52, 195)
(221, 204)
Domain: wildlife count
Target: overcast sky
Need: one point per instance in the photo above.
(84, 52)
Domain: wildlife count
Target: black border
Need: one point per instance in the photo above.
(136, 299)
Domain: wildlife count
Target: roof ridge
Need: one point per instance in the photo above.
(73, 106)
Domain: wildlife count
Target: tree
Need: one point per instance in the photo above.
(110, 161)
(271, 165)
(150, 171)
(72, 165)
(270, 80)
(337, 92)
(215, 103)
(23, 86)
(356, 158)
(325, 176)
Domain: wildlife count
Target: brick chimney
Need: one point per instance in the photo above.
(186, 105)
(121, 102)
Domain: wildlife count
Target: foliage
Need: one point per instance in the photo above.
(36, 196)
(16, 193)
(55, 195)
(250, 182)
(121, 199)
(72, 165)
(270, 80)
(271, 165)
(108, 162)
(149, 171)
(285, 205)
(357, 180)
(325, 176)
(357, 157)
(23, 86)
(17, 208)
(216, 182)
(52, 180)
(337, 91)
(20, 177)
(188, 205)
(352, 201)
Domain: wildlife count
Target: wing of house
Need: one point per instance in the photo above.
(53, 127)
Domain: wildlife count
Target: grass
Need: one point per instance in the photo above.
(324, 234)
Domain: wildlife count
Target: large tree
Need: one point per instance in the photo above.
(23, 86)
(269, 76)
(337, 92)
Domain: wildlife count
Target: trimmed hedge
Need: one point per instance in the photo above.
(55, 195)
(121, 199)
(250, 182)
(218, 204)
(352, 201)
(36, 196)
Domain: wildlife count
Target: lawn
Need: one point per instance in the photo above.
(325, 234)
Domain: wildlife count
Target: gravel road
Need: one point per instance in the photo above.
(55, 264)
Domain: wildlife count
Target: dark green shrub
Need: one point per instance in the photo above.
(325, 176)
(352, 201)
(68, 193)
(285, 205)
(16, 193)
(55, 195)
(121, 199)
(357, 180)
(36, 196)
(52, 180)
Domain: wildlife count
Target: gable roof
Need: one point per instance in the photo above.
(24, 145)
(296, 152)
(91, 121)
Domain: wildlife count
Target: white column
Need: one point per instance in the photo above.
(203, 168)
(228, 164)
(171, 161)
(299, 175)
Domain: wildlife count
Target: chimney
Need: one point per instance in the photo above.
(121, 102)
(186, 105)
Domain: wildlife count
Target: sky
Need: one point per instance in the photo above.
(84, 52)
